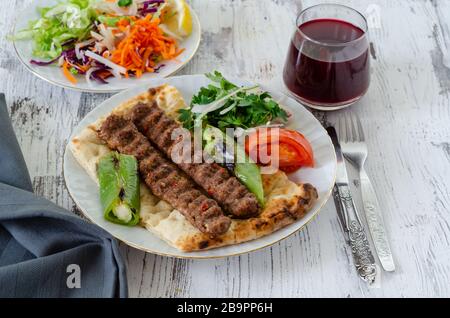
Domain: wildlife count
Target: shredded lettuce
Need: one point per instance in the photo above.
(59, 24)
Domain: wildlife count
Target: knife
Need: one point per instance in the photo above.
(349, 218)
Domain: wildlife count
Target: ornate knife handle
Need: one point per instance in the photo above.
(357, 238)
(375, 221)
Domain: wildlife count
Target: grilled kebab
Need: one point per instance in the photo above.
(234, 197)
(163, 177)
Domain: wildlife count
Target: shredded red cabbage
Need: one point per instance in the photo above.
(149, 10)
(159, 67)
(95, 75)
(71, 57)
(44, 63)
(150, 6)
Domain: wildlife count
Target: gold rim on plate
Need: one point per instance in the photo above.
(138, 247)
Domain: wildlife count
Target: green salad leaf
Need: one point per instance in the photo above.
(244, 109)
(124, 3)
(72, 19)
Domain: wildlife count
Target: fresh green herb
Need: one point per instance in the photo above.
(124, 3)
(187, 118)
(242, 109)
(112, 21)
(119, 188)
(73, 70)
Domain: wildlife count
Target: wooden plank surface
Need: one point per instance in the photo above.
(406, 115)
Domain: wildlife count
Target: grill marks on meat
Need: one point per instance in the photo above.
(216, 180)
(164, 179)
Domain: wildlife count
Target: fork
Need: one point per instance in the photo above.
(355, 150)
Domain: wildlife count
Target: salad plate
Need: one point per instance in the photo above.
(54, 73)
(84, 190)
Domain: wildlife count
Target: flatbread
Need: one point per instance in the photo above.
(286, 201)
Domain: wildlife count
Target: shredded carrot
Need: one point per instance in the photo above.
(67, 73)
(146, 56)
(123, 23)
(144, 43)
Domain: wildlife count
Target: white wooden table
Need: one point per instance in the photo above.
(406, 116)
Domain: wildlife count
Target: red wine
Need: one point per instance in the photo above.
(325, 65)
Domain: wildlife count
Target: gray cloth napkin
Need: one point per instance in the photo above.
(45, 251)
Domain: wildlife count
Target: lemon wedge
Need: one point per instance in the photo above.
(176, 17)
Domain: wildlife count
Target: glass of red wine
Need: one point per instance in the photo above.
(328, 64)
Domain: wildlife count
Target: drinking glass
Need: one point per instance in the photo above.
(328, 63)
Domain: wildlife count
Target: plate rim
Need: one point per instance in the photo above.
(95, 91)
(196, 257)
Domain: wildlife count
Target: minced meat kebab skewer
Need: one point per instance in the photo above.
(163, 177)
(233, 196)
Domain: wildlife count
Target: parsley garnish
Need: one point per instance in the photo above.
(124, 3)
(246, 110)
(73, 70)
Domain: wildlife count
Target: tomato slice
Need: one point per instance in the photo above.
(294, 150)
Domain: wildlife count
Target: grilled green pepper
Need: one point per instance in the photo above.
(250, 175)
(119, 188)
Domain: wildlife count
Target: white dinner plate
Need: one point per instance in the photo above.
(54, 75)
(84, 191)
